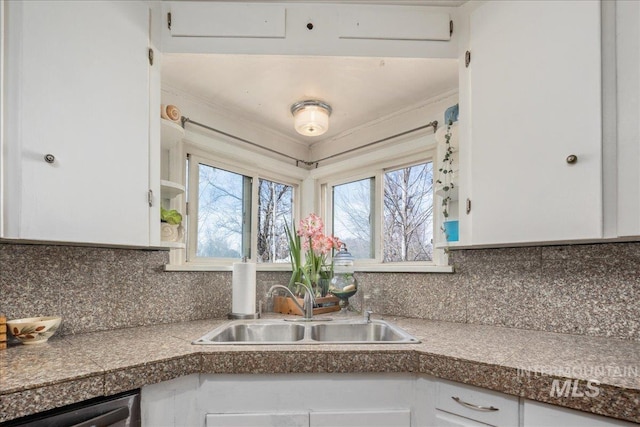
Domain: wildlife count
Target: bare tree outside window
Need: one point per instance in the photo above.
(352, 216)
(274, 210)
(221, 213)
(224, 215)
(408, 214)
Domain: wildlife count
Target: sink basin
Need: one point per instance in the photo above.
(255, 332)
(297, 332)
(374, 331)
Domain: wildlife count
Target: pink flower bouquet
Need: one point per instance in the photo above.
(317, 247)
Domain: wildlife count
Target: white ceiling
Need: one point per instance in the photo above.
(261, 89)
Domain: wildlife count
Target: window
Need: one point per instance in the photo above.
(275, 209)
(352, 219)
(387, 217)
(224, 211)
(408, 214)
(382, 209)
(236, 213)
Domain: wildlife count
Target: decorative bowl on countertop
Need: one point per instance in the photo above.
(34, 330)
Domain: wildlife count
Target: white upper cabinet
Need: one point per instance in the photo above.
(628, 113)
(77, 88)
(533, 100)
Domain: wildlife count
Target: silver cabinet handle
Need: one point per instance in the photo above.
(474, 407)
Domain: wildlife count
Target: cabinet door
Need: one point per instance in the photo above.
(377, 418)
(536, 414)
(534, 99)
(263, 419)
(628, 110)
(78, 89)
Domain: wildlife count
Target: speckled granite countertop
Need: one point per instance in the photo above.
(514, 361)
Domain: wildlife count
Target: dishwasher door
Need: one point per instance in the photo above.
(122, 410)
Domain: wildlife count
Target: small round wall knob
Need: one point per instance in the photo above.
(49, 158)
(572, 158)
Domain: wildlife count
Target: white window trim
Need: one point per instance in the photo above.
(412, 150)
(307, 192)
(378, 172)
(195, 263)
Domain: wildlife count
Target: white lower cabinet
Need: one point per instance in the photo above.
(345, 400)
(261, 419)
(349, 400)
(381, 418)
(536, 414)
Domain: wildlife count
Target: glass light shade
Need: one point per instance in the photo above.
(311, 120)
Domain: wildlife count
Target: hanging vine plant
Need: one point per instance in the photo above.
(445, 178)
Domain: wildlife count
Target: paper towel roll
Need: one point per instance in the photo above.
(244, 288)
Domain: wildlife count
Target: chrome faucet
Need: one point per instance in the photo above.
(308, 302)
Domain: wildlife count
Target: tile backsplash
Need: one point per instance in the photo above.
(577, 289)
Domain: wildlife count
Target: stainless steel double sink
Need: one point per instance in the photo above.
(279, 331)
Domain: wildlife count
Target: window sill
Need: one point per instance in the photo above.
(399, 268)
(223, 267)
(368, 268)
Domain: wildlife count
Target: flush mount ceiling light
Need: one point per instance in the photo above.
(311, 117)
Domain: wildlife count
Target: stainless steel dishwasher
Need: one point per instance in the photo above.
(121, 410)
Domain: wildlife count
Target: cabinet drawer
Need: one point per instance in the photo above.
(259, 419)
(474, 403)
(378, 418)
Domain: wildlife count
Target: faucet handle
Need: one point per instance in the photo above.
(367, 315)
(267, 307)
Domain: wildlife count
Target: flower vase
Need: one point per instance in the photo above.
(323, 286)
(171, 232)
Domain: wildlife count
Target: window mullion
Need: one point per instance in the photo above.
(378, 220)
(255, 201)
(192, 212)
(247, 216)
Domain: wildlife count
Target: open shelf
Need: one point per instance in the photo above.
(170, 134)
(444, 244)
(173, 245)
(170, 189)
